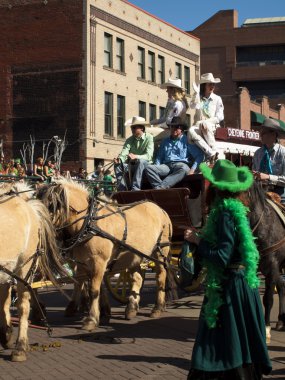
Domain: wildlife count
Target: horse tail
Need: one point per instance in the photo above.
(50, 261)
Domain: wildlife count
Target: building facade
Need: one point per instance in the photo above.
(81, 69)
(251, 56)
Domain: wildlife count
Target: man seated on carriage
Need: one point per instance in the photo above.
(269, 161)
(136, 154)
(209, 113)
(173, 158)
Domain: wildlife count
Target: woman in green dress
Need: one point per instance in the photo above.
(230, 342)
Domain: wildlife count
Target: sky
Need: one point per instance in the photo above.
(188, 14)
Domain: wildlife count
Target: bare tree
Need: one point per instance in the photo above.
(59, 148)
(28, 150)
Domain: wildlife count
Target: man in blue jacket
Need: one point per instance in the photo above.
(173, 159)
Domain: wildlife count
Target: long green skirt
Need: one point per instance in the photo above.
(238, 341)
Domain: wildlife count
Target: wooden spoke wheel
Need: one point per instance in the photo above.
(119, 285)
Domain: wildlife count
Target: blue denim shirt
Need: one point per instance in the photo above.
(179, 150)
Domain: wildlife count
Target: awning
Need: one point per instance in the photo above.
(281, 123)
(256, 117)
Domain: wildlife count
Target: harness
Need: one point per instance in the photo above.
(90, 229)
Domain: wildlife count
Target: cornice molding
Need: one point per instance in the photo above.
(116, 21)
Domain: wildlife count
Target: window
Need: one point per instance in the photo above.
(108, 50)
(108, 114)
(161, 111)
(187, 79)
(152, 111)
(142, 109)
(178, 70)
(160, 70)
(120, 59)
(141, 63)
(121, 116)
(151, 66)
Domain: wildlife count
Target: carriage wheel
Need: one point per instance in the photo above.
(119, 285)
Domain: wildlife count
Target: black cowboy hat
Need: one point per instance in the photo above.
(178, 123)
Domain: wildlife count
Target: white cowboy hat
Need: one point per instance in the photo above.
(136, 120)
(208, 78)
(176, 83)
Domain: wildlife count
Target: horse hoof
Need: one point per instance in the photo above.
(130, 314)
(88, 324)
(70, 310)
(18, 356)
(155, 313)
(280, 326)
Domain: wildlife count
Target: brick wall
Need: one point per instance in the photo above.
(39, 41)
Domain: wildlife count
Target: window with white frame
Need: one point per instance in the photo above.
(120, 52)
(108, 114)
(141, 62)
(108, 42)
(121, 112)
(151, 66)
(160, 70)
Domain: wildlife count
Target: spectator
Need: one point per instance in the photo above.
(49, 170)
(174, 155)
(81, 173)
(39, 169)
(209, 113)
(136, 154)
(108, 183)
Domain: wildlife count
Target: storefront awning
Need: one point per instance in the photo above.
(256, 117)
(282, 124)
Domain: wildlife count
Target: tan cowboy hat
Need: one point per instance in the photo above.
(136, 120)
(176, 83)
(208, 78)
(272, 125)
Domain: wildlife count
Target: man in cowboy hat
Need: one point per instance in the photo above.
(209, 113)
(173, 158)
(177, 104)
(269, 161)
(136, 154)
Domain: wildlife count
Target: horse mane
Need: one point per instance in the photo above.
(257, 195)
(50, 262)
(56, 198)
(22, 189)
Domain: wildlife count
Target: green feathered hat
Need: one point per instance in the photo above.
(226, 176)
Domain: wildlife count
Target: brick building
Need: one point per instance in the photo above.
(83, 68)
(250, 60)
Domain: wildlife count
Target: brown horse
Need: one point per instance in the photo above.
(269, 230)
(100, 236)
(27, 240)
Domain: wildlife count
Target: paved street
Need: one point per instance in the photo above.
(141, 349)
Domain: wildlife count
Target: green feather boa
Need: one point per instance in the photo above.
(247, 248)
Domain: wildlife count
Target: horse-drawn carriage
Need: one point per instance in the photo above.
(117, 243)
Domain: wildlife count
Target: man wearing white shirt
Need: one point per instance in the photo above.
(208, 116)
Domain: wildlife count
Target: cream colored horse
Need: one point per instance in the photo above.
(141, 226)
(26, 230)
